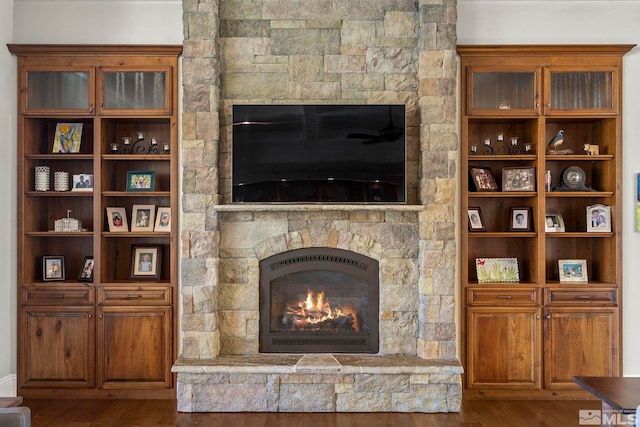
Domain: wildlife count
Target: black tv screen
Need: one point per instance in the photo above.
(318, 153)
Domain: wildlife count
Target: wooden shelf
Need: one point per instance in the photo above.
(85, 344)
(555, 330)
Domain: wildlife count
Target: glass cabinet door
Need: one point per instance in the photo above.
(581, 91)
(492, 91)
(136, 90)
(69, 91)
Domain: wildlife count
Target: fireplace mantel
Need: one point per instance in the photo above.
(253, 207)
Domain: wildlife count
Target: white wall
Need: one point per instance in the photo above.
(581, 22)
(8, 191)
(98, 21)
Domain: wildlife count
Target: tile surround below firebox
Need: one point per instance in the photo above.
(318, 383)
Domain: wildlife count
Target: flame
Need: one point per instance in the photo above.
(316, 309)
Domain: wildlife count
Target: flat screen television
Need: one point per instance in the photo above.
(318, 154)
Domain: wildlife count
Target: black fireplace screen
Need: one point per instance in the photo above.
(319, 300)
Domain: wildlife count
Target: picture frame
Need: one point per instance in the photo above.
(554, 223)
(519, 179)
(145, 262)
(142, 217)
(483, 179)
(163, 220)
(521, 219)
(476, 221)
(141, 181)
(67, 138)
(117, 219)
(573, 270)
(82, 182)
(497, 270)
(598, 218)
(86, 271)
(53, 268)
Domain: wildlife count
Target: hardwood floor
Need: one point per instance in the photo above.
(162, 413)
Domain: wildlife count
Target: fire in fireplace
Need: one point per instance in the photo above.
(319, 300)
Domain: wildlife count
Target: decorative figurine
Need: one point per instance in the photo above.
(557, 141)
(591, 149)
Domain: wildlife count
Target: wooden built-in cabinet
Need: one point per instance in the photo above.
(537, 333)
(113, 336)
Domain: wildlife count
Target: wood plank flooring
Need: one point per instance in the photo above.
(162, 413)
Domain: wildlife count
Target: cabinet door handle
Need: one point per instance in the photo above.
(133, 296)
(503, 296)
(583, 297)
(57, 296)
(91, 316)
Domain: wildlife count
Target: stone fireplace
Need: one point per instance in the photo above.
(323, 51)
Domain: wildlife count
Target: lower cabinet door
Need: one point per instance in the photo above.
(503, 347)
(56, 347)
(134, 347)
(580, 341)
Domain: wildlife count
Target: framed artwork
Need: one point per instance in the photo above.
(553, 223)
(86, 271)
(497, 270)
(117, 219)
(82, 182)
(521, 219)
(598, 218)
(572, 270)
(53, 268)
(142, 217)
(67, 138)
(145, 262)
(483, 179)
(519, 179)
(476, 222)
(163, 220)
(141, 181)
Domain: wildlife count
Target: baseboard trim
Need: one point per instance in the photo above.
(8, 385)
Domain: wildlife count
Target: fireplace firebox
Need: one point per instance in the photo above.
(319, 300)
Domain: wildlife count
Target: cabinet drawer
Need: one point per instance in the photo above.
(57, 295)
(147, 295)
(502, 296)
(582, 296)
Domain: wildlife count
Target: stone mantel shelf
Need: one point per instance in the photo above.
(254, 207)
(344, 364)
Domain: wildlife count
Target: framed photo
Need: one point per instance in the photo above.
(67, 138)
(145, 262)
(476, 222)
(598, 218)
(497, 270)
(86, 271)
(521, 219)
(53, 268)
(141, 181)
(519, 179)
(483, 179)
(142, 217)
(163, 220)
(553, 223)
(572, 270)
(82, 182)
(117, 219)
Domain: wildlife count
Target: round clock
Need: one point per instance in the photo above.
(573, 179)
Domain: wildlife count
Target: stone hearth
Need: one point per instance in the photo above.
(304, 52)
